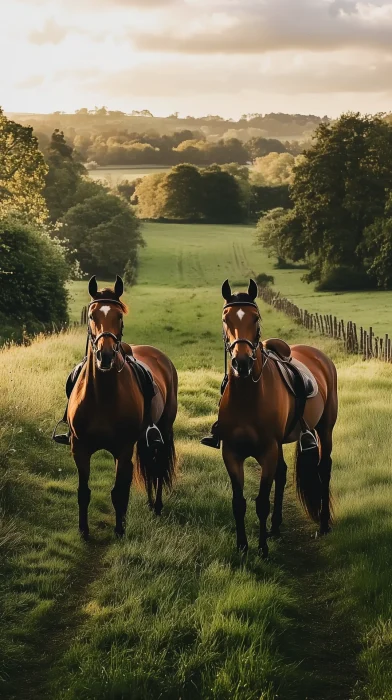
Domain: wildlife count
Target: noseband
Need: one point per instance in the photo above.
(94, 339)
(229, 347)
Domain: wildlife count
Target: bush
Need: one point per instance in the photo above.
(264, 280)
(102, 233)
(33, 275)
(343, 279)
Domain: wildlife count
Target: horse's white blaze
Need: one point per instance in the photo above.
(240, 314)
(105, 309)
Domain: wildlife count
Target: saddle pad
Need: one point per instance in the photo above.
(297, 377)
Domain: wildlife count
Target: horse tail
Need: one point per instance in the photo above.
(308, 481)
(156, 462)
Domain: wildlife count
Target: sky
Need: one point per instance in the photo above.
(197, 57)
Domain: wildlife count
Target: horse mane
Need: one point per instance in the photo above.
(108, 293)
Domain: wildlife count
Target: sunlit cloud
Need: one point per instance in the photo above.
(201, 56)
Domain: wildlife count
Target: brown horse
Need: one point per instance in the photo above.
(257, 415)
(107, 409)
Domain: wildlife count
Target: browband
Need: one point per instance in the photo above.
(240, 303)
(108, 301)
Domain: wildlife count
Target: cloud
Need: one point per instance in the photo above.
(51, 33)
(260, 26)
(33, 81)
(287, 74)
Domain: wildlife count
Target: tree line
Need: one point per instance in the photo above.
(341, 223)
(126, 148)
(101, 119)
(55, 224)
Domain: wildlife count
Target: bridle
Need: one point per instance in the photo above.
(94, 339)
(229, 347)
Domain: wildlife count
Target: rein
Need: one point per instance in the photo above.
(229, 347)
(94, 339)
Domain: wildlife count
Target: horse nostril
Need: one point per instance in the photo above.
(106, 359)
(99, 355)
(234, 362)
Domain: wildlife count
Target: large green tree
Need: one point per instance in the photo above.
(65, 174)
(183, 192)
(103, 234)
(22, 171)
(340, 187)
(222, 197)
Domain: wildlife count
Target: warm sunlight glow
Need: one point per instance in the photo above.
(196, 57)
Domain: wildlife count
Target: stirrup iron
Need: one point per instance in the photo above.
(155, 438)
(61, 439)
(313, 443)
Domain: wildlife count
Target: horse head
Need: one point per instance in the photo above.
(105, 322)
(241, 327)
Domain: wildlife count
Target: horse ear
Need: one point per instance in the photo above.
(93, 287)
(226, 290)
(252, 289)
(119, 287)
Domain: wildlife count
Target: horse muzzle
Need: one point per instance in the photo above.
(105, 360)
(242, 366)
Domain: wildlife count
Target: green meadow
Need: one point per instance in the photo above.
(172, 611)
(197, 255)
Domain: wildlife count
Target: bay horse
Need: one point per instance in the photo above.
(257, 415)
(107, 409)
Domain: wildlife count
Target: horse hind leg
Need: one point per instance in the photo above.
(268, 461)
(280, 483)
(121, 489)
(165, 464)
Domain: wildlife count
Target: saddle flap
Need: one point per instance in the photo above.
(298, 378)
(144, 377)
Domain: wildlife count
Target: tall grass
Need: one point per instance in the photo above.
(173, 611)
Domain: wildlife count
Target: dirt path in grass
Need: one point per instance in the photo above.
(55, 636)
(325, 640)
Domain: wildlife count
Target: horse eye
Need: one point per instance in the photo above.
(90, 317)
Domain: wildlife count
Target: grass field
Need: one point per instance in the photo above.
(172, 611)
(193, 255)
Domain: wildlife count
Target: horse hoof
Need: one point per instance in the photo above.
(119, 533)
(158, 511)
(84, 534)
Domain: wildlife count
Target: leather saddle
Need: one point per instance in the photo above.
(298, 379)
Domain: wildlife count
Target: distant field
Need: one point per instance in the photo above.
(113, 175)
(191, 255)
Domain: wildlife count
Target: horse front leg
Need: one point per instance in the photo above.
(235, 468)
(120, 491)
(82, 459)
(268, 462)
